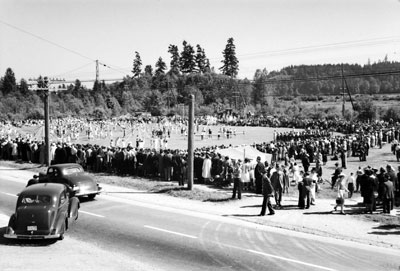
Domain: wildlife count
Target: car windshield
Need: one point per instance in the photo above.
(35, 200)
(71, 170)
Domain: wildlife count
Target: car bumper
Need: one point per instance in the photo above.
(87, 191)
(31, 237)
(11, 234)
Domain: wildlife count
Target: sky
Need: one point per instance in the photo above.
(64, 38)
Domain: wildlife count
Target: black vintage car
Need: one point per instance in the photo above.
(43, 211)
(74, 176)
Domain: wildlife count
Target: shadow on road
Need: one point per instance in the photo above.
(23, 243)
(252, 206)
(130, 192)
(217, 200)
(240, 215)
(387, 229)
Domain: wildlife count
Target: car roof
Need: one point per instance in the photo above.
(43, 189)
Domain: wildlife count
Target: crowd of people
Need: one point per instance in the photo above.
(298, 158)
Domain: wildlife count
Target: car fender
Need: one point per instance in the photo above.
(11, 222)
(73, 208)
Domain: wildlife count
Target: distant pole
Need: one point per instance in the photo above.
(190, 143)
(343, 106)
(46, 127)
(97, 71)
(46, 91)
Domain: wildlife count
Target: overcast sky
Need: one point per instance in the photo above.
(63, 38)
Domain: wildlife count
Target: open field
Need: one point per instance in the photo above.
(382, 102)
(244, 135)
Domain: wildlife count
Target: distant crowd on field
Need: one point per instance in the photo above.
(298, 158)
(96, 126)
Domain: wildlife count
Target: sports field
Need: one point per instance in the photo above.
(247, 135)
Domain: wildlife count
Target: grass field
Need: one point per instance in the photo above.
(337, 103)
(244, 135)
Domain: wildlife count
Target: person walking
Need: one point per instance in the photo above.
(267, 191)
(341, 189)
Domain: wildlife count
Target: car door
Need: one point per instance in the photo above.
(63, 205)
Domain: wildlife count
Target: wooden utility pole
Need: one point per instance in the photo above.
(46, 127)
(344, 100)
(45, 87)
(190, 161)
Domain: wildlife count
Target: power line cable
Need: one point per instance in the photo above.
(344, 44)
(57, 45)
(46, 40)
(324, 46)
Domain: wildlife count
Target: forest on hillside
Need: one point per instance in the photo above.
(165, 92)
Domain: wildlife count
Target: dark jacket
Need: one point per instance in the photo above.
(277, 180)
(259, 170)
(388, 191)
(267, 186)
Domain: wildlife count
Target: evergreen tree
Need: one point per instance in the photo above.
(231, 63)
(148, 71)
(174, 64)
(9, 83)
(187, 59)
(96, 86)
(202, 62)
(160, 67)
(23, 87)
(137, 66)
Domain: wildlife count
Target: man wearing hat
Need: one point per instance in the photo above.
(267, 191)
(387, 195)
(258, 174)
(237, 181)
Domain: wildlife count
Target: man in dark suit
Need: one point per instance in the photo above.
(258, 174)
(267, 191)
(277, 181)
(388, 196)
(307, 182)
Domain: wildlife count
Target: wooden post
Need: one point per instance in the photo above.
(190, 161)
(46, 127)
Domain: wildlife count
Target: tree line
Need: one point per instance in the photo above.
(163, 91)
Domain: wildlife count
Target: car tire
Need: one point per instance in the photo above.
(91, 196)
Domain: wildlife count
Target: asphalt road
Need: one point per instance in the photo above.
(157, 237)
